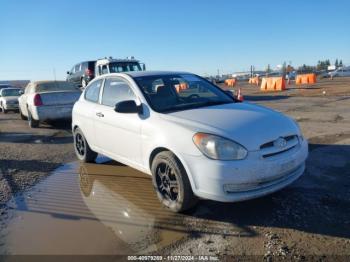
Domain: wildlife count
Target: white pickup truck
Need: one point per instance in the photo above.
(47, 100)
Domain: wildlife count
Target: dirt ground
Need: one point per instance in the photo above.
(309, 220)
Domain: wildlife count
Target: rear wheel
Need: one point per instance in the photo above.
(171, 182)
(21, 114)
(82, 148)
(31, 121)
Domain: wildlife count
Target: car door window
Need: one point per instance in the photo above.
(104, 70)
(77, 68)
(115, 91)
(93, 91)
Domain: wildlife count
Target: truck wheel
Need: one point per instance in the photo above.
(31, 121)
(171, 182)
(82, 148)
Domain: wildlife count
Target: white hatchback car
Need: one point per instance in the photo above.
(192, 137)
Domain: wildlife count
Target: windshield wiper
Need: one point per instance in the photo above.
(194, 105)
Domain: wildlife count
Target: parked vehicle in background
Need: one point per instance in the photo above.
(48, 100)
(81, 74)
(114, 65)
(340, 72)
(195, 142)
(9, 99)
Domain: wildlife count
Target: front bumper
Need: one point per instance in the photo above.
(11, 106)
(231, 181)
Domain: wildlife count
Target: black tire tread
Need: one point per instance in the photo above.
(90, 155)
(189, 199)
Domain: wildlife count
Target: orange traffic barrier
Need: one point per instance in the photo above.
(180, 87)
(273, 84)
(254, 80)
(305, 79)
(230, 82)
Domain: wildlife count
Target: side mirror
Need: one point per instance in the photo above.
(128, 107)
(21, 92)
(68, 73)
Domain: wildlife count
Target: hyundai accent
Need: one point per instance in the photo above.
(193, 138)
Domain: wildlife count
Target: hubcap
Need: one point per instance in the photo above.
(166, 182)
(80, 144)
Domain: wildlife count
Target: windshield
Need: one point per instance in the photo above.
(118, 67)
(167, 93)
(10, 92)
(56, 86)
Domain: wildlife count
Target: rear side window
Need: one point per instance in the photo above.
(115, 91)
(93, 91)
(77, 68)
(91, 66)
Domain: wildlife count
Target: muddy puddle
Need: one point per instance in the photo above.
(104, 208)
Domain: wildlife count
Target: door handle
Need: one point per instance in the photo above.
(99, 114)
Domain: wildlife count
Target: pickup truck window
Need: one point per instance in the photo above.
(93, 91)
(116, 90)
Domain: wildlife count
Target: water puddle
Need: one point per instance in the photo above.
(104, 208)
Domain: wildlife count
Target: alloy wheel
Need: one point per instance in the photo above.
(80, 144)
(167, 182)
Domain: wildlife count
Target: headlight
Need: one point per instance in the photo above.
(216, 147)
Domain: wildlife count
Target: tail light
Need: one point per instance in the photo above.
(37, 100)
(89, 72)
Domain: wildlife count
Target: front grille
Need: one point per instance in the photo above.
(269, 149)
(270, 144)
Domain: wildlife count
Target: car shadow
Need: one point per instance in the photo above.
(30, 138)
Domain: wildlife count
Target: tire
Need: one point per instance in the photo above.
(82, 149)
(23, 117)
(32, 122)
(83, 83)
(166, 170)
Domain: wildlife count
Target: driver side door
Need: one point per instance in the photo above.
(118, 135)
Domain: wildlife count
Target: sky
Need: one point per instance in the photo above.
(43, 38)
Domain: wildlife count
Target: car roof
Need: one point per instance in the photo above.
(154, 73)
(12, 88)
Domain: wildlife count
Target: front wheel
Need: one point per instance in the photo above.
(171, 182)
(82, 148)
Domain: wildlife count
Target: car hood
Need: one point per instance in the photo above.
(248, 124)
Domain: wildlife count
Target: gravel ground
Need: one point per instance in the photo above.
(28, 155)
